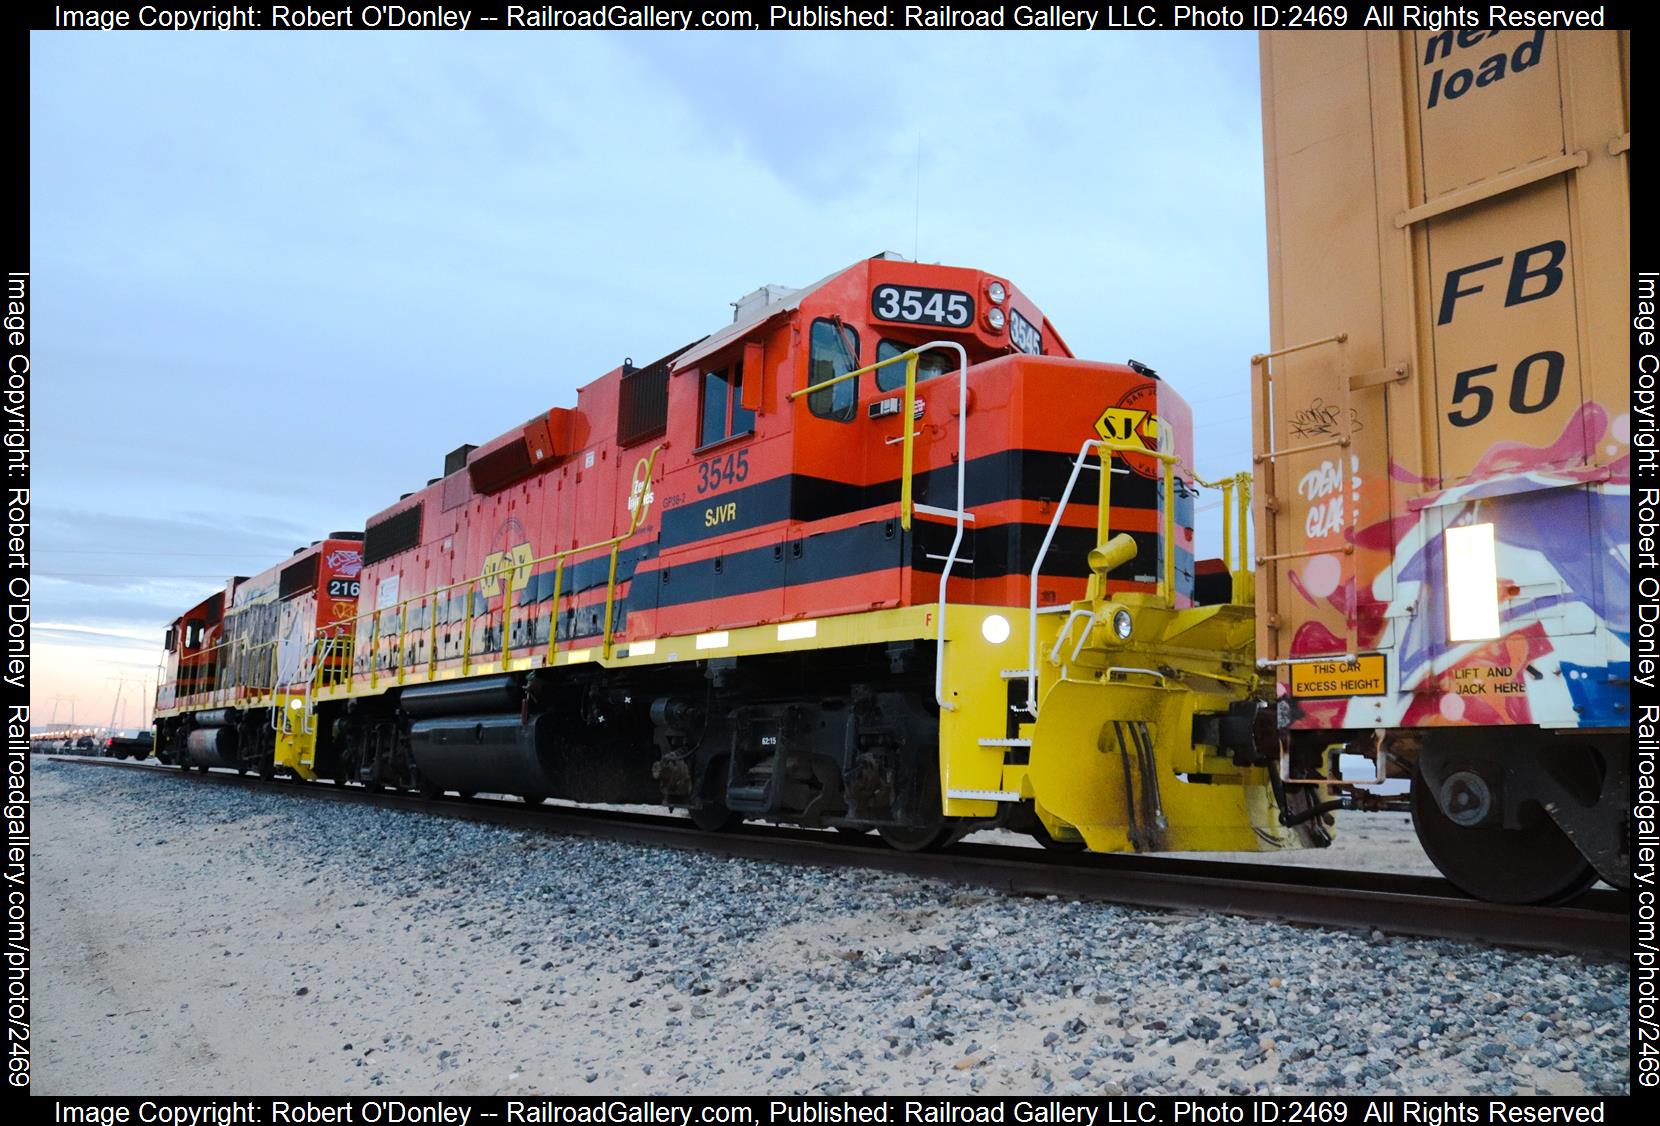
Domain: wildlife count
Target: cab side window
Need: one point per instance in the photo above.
(829, 358)
(930, 365)
(724, 414)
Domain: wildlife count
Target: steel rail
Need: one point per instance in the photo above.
(1596, 924)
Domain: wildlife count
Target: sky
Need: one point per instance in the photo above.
(277, 276)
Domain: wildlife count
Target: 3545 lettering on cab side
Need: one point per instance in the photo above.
(718, 472)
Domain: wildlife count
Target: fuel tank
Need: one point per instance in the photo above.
(212, 746)
(502, 753)
(473, 697)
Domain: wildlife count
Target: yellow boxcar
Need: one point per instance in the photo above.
(1443, 434)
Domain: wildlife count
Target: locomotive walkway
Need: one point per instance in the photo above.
(1596, 924)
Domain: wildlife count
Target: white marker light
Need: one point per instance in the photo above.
(1472, 583)
(995, 629)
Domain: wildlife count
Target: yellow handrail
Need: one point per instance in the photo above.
(1103, 512)
(907, 459)
(553, 610)
(506, 618)
(639, 505)
(466, 632)
(234, 660)
(1236, 506)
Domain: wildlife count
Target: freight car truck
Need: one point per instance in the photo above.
(1442, 458)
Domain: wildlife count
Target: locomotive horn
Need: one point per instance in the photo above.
(1113, 554)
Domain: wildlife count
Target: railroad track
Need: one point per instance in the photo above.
(1597, 924)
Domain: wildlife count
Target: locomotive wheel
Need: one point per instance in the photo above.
(924, 839)
(534, 799)
(1535, 864)
(713, 817)
(267, 770)
(1041, 834)
(853, 830)
(201, 768)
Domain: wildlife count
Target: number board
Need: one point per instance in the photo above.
(1023, 334)
(1363, 676)
(921, 306)
(343, 588)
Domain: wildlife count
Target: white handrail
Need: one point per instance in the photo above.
(959, 515)
(1037, 566)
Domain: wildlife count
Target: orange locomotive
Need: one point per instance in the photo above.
(851, 560)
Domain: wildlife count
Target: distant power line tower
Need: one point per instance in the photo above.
(60, 699)
(120, 683)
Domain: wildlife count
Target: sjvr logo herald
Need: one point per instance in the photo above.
(1131, 422)
(515, 561)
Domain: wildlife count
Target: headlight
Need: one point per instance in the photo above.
(995, 629)
(996, 292)
(995, 317)
(1121, 625)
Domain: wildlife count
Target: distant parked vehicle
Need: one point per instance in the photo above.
(128, 746)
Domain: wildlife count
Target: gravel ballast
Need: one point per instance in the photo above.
(208, 940)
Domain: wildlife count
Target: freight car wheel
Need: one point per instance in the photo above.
(1534, 864)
